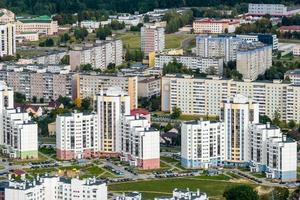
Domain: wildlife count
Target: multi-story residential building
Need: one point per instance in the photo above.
(152, 39)
(213, 26)
(140, 143)
(149, 87)
(276, 10)
(55, 188)
(130, 196)
(112, 105)
(266, 38)
(6, 102)
(43, 85)
(7, 39)
(293, 76)
(89, 85)
(253, 59)
(198, 96)
(185, 194)
(99, 55)
(237, 114)
(271, 152)
(296, 50)
(89, 24)
(218, 47)
(77, 136)
(6, 16)
(20, 135)
(52, 58)
(202, 144)
(204, 64)
(42, 25)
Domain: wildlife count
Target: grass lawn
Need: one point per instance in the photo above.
(189, 117)
(259, 175)
(41, 170)
(29, 53)
(170, 149)
(92, 171)
(212, 187)
(288, 41)
(47, 140)
(220, 177)
(168, 159)
(173, 41)
(23, 162)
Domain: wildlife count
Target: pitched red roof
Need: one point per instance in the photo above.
(26, 106)
(140, 111)
(290, 28)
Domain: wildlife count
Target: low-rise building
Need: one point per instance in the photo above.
(292, 28)
(89, 24)
(293, 76)
(202, 144)
(42, 25)
(149, 87)
(275, 10)
(7, 16)
(213, 26)
(185, 194)
(55, 188)
(27, 37)
(130, 196)
(140, 143)
(296, 50)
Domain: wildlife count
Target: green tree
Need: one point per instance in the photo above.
(42, 100)
(80, 33)
(103, 32)
(292, 124)
(168, 127)
(295, 195)
(279, 193)
(240, 192)
(64, 38)
(49, 42)
(34, 99)
(65, 60)
(19, 98)
(264, 119)
(176, 112)
(276, 121)
(86, 67)
(86, 104)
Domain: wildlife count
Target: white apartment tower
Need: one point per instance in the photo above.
(77, 136)
(202, 144)
(112, 105)
(7, 40)
(140, 143)
(272, 152)
(218, 47)
(237, 114)
(152, 39)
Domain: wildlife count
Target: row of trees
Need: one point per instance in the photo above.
(176, 20)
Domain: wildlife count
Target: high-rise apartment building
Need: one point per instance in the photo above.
(253, 59)
(112, 105)
(202, 144)
(198, 96)
(7, 40)
(55, 188)
(152, 39)
(266, 38)
(77, 136)
(216, 47)
(89, 85)
(272, 152)
(99, 55)
(237, 114)
(140, 143)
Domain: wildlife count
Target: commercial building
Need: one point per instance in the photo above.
(20, 135)
(202, 144)
(149, 87)
(271, 152)
(238, 113)
(213, 26)
(268, 39)
(293, 76)
(42, 85)
(152, 39)
(218, 47)
(42, 25)
(89, 85)
(202, 96)
(253, 59)
(140, 143)
(6, 16)
(55, 188)
(98, 55)
(203, 64)
(275, 10)
(77, 136)
(112, 105)
(7, 39)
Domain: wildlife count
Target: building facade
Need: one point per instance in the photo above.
(149, 87)
(89, 85)
(202, 144)
(217, 47)
(204, 64)
(275, 10)
(152, 39)
(6, 16)
(140, 143)
(253, 59)
(55, 188)
(198, 96)
(77, 136)
(237, 114)
(271, 152)
(213, 26)
(112, 105)
(99, 55)
(7, 40)
(293, 76)
(268, 39)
